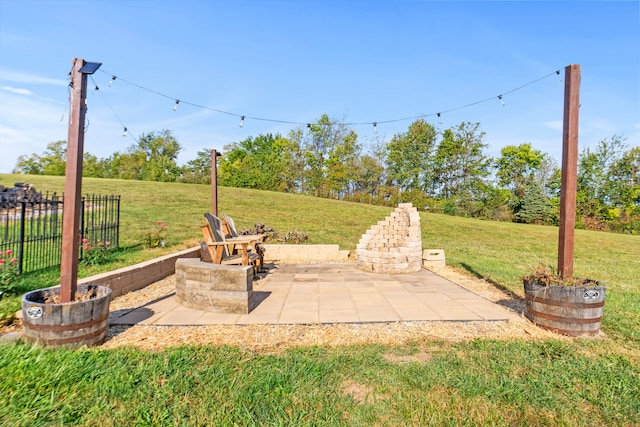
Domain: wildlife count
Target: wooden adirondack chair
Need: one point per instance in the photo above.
(231, 235)
(220, 248)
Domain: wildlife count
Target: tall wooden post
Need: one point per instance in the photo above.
(214, 182)
(73, 184)
(569, 171)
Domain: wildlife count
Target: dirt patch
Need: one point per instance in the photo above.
(419, 357)
(360, 393)
(51, 297)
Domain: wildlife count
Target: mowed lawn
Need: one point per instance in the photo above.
(482, 382)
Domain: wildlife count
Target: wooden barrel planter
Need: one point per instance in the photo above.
(568, 310)
(73, 324)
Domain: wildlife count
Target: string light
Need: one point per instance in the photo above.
(375, 127)
(439, 118)
(243, 117)
(125, 131)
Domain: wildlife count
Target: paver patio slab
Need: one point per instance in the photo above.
(334, 293)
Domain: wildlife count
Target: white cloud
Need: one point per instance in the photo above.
(553, 124)
(17, 77)
(27, 125)
(16, 90)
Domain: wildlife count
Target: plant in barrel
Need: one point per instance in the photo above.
(558, 301)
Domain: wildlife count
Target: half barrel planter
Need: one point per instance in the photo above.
(73, 324)
(568, 310)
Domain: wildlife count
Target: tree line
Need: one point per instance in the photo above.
(437, 170)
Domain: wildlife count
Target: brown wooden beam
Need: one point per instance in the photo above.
(214, 182)
(569, 171)
(73, 184)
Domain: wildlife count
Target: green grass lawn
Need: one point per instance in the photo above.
(482, 382)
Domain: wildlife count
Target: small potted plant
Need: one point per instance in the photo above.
(569, 306)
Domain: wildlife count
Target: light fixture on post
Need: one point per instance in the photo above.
(90, 67)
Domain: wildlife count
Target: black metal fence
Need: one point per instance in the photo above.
(32, 230)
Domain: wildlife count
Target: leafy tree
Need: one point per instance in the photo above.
(526, 171)
(152, 158)
(159, 151)
(329, 149)
(593, 167)
(623, 180)
(409, 157)
(198, 170)
(368, 176)
(261, 162)
(517, 168)
(91, 166)
(460, 163)
(594, 193)
(51, 162)
(129, 165)
(341, 165)
(28, 165)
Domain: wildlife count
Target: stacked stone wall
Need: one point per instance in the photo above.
(393, 245)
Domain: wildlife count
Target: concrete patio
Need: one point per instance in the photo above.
(333, 293)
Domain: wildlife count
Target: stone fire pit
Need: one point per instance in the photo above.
(214, 287)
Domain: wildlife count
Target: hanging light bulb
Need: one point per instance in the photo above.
(97, 88)
(124, 133)
(559, 76)
(439, 118)
(501, 101)
(375, 127)
(175, 107)
(113, 79)
(241, 121)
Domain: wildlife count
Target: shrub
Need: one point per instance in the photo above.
(95, 253)
(155, 238)
(9, 272)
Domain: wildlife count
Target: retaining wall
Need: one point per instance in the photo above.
(138, 276)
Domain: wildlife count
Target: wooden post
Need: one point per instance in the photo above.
(214, 182)
(569, 171)
(73, 184)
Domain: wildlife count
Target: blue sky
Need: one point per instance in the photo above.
(292, 61)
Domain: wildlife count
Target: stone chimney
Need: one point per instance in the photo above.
(393, 245)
